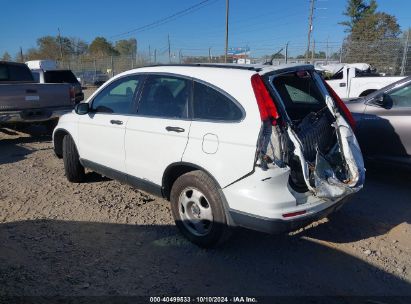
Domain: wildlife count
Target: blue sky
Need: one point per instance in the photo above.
(264, 25)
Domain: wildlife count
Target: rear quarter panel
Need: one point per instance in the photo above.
(235, 142)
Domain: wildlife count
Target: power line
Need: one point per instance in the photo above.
(168, 18)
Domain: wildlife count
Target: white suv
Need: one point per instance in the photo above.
(267, 148)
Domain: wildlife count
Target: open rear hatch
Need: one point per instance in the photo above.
(311, 132)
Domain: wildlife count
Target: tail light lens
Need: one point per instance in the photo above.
(341, 106)
(72, 94)
(266, 105)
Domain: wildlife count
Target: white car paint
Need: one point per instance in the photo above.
(150, 148)
(101, 141)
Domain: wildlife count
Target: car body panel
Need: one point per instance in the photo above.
(150, 148)
(101, 141)
(384, 133)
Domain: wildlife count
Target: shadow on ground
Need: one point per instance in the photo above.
(47, 257)
(13, 149)
(383, 204)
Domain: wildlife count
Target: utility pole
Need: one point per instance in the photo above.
(227, 8)
(149, 54)
(286, 52)
(169, 48)
(326, 54)
(405, 54)
(155, 55)
(209, 54)
(310, 29)
(61, 47)
(180, 55)
(136, 50)
(112, 66)
(21, 55)
(313, 52)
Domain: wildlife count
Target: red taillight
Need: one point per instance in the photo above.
(341, 105)
(291, 214)
(72, 94)
(265, 103)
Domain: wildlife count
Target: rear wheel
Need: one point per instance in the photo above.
(74, 170)
(198, 209)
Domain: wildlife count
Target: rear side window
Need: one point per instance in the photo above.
(15, 72)
(210, 104)
(4, 73)
(165, 96)
(20, 73)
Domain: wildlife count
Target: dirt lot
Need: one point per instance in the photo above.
(105, 238)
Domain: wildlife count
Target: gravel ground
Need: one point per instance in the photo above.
(105, 238)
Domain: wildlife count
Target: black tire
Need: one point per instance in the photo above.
(75, 172)
(218, 231)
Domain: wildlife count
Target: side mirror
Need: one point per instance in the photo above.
(384, 101)
(82, 108)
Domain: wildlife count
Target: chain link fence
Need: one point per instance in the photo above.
(390, 57)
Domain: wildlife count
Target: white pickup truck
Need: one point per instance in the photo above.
(350, 81)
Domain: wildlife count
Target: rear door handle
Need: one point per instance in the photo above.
(343, 84)
(175, 129)
(116, 122)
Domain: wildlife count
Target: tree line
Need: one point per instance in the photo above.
(372, 36)
(62, 48)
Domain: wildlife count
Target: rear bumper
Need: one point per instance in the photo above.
(33, 115)
(270, 225)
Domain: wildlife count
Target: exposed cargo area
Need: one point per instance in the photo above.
(310, 133)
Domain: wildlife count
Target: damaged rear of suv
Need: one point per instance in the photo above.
(306, 147)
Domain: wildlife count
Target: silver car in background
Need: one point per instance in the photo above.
(383, 122)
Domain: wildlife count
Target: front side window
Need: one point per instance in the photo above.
(117, 97)
(210, 104)
(165, 96)
(401, 97)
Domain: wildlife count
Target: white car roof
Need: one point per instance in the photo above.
(206, 68)
(234, 79)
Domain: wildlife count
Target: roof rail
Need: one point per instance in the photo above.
(210, 65)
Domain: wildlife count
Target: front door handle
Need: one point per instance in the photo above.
(116, 122)
(175, 129)
(343, 84)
